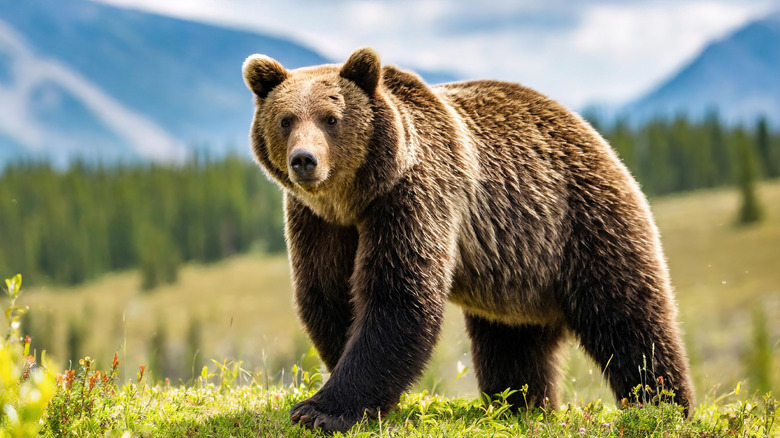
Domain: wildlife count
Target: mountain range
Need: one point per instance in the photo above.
(93, 81)
(77, 75)
(738, 76)
(88, 80)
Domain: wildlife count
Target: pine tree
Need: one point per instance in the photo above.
(721, 154)
(764, 148)
(747, 173)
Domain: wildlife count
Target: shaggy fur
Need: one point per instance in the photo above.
(484, 193)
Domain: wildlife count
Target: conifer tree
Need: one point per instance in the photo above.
(750, 210)
(768, 159)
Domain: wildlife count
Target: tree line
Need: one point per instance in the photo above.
(69, 226)
(678, 155)
(66, 227)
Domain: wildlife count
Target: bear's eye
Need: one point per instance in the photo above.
(332, 120)
(285, 123)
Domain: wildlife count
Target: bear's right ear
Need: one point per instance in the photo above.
(363, 68)
(262, 74)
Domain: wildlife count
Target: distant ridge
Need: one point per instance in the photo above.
(737, 76)
(102, 83)
(179, 79)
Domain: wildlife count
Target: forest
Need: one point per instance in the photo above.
(67, 226)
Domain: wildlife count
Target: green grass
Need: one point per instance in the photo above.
(230, 401)
(217, 406)
(722, 274)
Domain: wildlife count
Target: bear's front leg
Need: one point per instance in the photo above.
(402, 271)
(322, 256)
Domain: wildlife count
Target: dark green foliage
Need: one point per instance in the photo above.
(747, 173)
(768, 148)
(671, 156)
(159, 258)
(66, 227)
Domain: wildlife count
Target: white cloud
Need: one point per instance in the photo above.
(576, 52)
(645, 43)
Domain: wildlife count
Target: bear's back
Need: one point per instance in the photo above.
(536, 162)
(518, 114)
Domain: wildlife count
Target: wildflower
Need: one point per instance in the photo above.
(70, 376)
(115, 364)
(93, 379)
(29, 365)
(582, 431)
(86, 363)
(141, 373)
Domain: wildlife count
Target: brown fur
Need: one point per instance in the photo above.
(484, 193)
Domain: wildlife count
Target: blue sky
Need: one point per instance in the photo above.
(577, 52)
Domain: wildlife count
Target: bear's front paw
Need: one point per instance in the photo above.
(309, 414)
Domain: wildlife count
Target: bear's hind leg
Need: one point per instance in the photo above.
(633, 336)
(507, 356)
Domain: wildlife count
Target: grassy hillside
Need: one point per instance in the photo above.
(243, 307)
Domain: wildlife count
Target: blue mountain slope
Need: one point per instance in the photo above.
(179, 81)
(739, 76)
(185, 76)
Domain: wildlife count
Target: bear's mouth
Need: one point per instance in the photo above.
(310, 185)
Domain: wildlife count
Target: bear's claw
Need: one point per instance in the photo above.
(309, 415)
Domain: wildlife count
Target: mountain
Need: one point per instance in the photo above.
(85, 79)
(739, 76)
(49, 110)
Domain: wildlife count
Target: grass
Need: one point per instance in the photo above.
(722, 273)
(233, 402)
(217, 406)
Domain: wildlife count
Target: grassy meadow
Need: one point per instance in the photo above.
(241, 310)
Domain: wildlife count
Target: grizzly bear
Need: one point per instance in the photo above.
(399, 196)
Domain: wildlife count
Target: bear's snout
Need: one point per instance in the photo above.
(304, 166)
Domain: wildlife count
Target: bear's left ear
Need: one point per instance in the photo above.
(262, 74)
(364, 69)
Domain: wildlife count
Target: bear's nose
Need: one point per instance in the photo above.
(303, 163)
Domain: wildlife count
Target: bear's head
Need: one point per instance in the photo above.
(312, 126)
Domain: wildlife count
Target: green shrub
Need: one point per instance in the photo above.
(25, 387)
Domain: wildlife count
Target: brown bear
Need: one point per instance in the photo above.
(399, 196)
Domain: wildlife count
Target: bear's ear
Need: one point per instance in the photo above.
(364, 69)
(262, 74)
